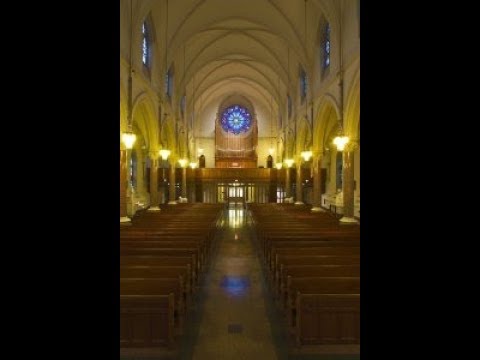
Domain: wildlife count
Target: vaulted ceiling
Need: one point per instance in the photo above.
(247, 47)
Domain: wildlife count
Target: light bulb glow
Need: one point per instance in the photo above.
(271, 151)
(183, 162)
(289, 162)
(306, 155)
(193, 165)
(340, 142)
(278, 165)
(164, 154)
(129, 139)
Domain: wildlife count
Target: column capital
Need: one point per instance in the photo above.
(352, 145)
(153, 154)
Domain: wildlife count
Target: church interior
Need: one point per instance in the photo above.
(240, 179)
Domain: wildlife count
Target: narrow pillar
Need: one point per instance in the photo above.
(288, 186)
(317, 184)
(154, 201)
(171, 189)
(140, 174)
(348, 183)
(124, 219)
(184, 182)
(130, 191)
(299, 189)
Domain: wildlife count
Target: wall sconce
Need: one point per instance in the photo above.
(129, 138)
(289, 162)
(340, 142)
(193, 165)
(183, 162)
(164, 154)
(306, 155)
(278, 165)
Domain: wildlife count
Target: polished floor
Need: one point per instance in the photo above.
(234, 323)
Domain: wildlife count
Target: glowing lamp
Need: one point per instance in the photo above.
(306, 155)
(128, 139)
(183, 162)
(193, 165)
(164, 154)
(289, 162)
(340, 142)
(278, 165)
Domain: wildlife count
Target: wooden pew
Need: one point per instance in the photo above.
(311, 260)
(316, 285)
(312, 271)
(162, 272)
(327, 319)
(158, 286)
(147, 260)
(147, 321)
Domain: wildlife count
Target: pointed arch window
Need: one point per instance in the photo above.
(169, 82)
(303, 84)
(146, 45)
(326, 47)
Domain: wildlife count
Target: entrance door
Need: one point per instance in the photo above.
(236, 194)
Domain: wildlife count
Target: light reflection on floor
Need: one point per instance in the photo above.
(235, 286)
(236, 218)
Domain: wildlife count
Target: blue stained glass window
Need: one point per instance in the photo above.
(326, 47)
(303, 85)
(236, 119)
(145, 45)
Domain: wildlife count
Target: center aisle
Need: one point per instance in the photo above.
(233, 322)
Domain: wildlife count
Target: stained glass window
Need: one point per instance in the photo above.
(326, 47)
(303, 84)
(145, 45)
(236, 119)
(169, 82)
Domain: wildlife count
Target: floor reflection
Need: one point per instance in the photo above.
(236, 218)
(235, 286)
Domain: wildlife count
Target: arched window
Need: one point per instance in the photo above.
(201, 161)
(326, 46)
(269, 162)
(303, 84)
(236, 119)
(146, 45)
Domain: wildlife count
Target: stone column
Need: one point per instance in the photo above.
(171, 190)
(317, 183)
(288, 186)
(123, 187)
(154, 201)
(140, 173)
(130, 190)
(184, 182)
(299, 189)
(348, 179)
